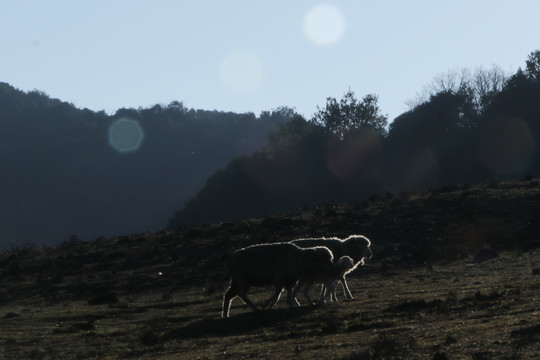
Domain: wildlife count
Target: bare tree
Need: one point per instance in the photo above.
(479, 86)
(485, 84)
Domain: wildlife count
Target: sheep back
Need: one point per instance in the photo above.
(315, 262)
(334, 244)
(264, 264)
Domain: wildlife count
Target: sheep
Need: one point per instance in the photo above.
(277, 264)
(342, 266)
(308, 267)
(355, 246)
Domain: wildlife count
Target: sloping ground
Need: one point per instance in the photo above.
(455, 274)
(455, 310)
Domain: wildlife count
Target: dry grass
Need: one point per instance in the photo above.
(431, 292)
(459, 309)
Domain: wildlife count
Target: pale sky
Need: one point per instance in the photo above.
(251, 56)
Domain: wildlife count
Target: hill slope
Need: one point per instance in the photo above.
(406, 228)
(432, 287)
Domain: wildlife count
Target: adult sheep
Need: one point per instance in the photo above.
(355, 246)
(277, 264)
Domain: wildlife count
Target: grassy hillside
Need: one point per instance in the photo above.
(454, 275)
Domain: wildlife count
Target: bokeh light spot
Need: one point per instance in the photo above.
(242, 71)
(324, 25)
(125, 135)
(356, 159)
(506, 146)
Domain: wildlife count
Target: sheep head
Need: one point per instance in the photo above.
(345, 263)
(359, 247)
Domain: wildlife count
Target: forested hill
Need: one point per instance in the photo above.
(66, 171)
(468, 127)
(60, 174)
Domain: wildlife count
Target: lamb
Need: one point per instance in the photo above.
(342, 266)
(355, 246)
(277, 264)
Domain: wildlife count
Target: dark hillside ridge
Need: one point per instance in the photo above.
(407, 229)
(61, 174)
(471, 133)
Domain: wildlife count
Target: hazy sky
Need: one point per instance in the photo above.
(254, 55)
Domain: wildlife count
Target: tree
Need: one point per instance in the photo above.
(281, 114)
(478, 87)
(290, 134)
(350, 114)
(533, 66)
(485, 85)
(431, 144)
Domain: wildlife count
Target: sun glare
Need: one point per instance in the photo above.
(242, 71)
(324, 25)
(125, 135)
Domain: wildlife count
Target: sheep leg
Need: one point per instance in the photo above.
(274, 298)
(227, 299)
(290, 297)
(230, 294)
(306, 290)
(328, 290)
(345, 288)
(297, 288)
(324, 293)
(248, 301)
(332, 292)
(296, 302)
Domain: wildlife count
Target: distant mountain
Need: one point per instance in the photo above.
(66, 171)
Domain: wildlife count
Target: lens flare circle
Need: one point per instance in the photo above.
(324, 25)
(507, 146)
(242, 71)
(125, 135)
(356, 159)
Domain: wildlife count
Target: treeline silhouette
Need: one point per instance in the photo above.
(60, 176)
(466, 127)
